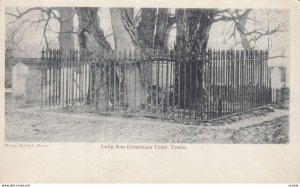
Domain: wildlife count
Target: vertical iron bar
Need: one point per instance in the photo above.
(105, 62)
(221, 81)
(214, 74)
(162, 85)
(208, 82)
(157, 86)
(173, 73)
(119, 79)
(42, 82)
(184, 86)
(258, 84)
(167, 85)
(72, 79)
(80, 78)
(85, 78)
(135, 80)
(53, 81)
(59, 82)
(179, 85)
(56, 80)
(246, 79)
(76, 85)
(90, 89)
(124, 78)
(50, 83)
(190, 87)
(205, 97)
(97, 68)
(151, 63)
(232, 79)
(242, 79)
(115, 80)
(196, 92)
(63, 82)
(226, 82)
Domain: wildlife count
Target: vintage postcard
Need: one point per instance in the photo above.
(138, 91)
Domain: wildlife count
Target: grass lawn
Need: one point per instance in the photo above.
(25, 123)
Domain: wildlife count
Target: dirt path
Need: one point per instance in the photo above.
(33, 124)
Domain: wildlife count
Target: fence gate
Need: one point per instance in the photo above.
(161, 85)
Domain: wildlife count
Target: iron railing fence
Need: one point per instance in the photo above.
(162, 85)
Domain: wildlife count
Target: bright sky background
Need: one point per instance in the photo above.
(32, 41)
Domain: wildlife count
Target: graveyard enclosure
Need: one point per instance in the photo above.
(156, 84)
(25, 75)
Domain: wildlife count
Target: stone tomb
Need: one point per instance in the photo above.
(19, 77)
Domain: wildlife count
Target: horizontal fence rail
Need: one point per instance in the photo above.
(166, 85)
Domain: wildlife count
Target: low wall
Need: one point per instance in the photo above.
(32, 92)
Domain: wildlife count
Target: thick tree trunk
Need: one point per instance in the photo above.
(163, 28)
(91, 38)
(242, 20)
(124, 33)
(66, 35)
(90, 35)
(146, 28)
(126, 39)
(193, 27)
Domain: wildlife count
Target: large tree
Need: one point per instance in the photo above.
(146, 28)
(126, 40)
(64, 16)
(193, 27)
(164, 24)
(66, 30)
(93, 43)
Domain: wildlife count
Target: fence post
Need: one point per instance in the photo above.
(233, 61)
(42, 81)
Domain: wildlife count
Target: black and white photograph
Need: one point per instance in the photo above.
(147, 75)
(162, 91)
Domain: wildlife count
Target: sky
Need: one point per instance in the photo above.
(31, 42)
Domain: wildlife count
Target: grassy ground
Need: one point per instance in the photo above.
(273, 131)
(30, 124)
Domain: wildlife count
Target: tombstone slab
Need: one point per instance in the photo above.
(19, 77)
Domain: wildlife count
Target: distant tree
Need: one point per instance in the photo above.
(249, 36)
(64, 15)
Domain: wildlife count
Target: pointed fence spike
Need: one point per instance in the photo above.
(70, 54)
(119, 54)
(85, 53)
(135, 53)
(51, 53)
(227, 54)
(101, 54)
(57, 54)
(261, 54)
(110, 54)
(129, 54)
(171, 54)
(54, 54)
(237, 53)
(43, 53)
(125, 55)
(266, 54)
(76, 54)
(232, 54)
